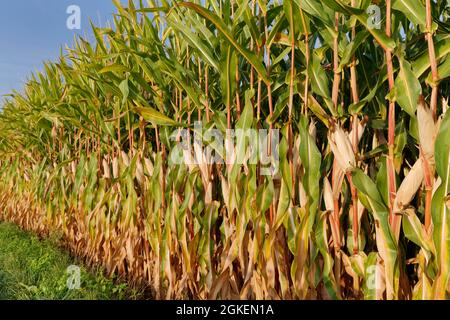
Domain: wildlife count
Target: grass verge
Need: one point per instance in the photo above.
(36, 269)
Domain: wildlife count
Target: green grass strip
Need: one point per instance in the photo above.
(34, 269)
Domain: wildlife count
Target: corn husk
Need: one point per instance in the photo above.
(106, 170)
(73, 167)
(361, 128)
(342, 149)
(115, 165)
(140, 172)
(427, 129)
(409, 187)
(125, 159)
(328, 195)
(148, 166)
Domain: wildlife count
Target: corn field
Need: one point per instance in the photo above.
(359, 207)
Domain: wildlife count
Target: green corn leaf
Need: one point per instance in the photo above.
(322, 242)
(265, 196)
(413, 10)
(407, 88)
(196, 42)
(249, 56)
(370, 197)
(315, 9)
(125, 91)
(415, 231)
(114, 68)
(422, 63)
(154, 116)
(363, 18)
(440, 209)
(319, 79)
(311, 160)
(228, 71)
(351, 48)
(443, 70)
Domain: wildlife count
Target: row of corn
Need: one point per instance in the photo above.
(357, 94)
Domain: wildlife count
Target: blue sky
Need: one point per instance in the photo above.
(32, 31)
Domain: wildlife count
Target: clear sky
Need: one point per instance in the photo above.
(33, 31)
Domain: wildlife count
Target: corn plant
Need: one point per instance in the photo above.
(359, 207)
